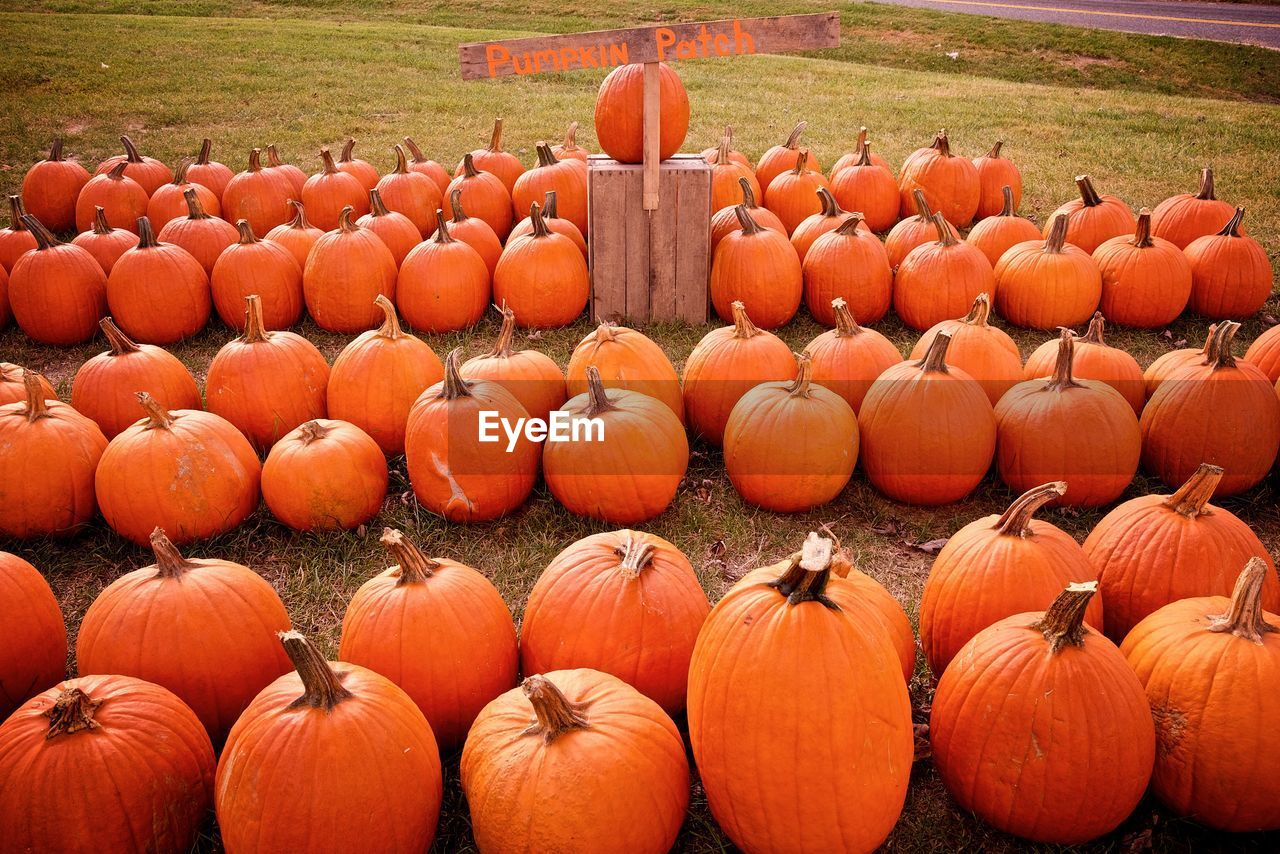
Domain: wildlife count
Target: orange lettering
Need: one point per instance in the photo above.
(588, 57)
(686, 50)
(722, 45)
(665, 37)
(569, 57)
(497, 56)
(528, 64)
(618, 54)
(550, 57)
(742, 40)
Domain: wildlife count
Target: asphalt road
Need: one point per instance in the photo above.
(1224, 22)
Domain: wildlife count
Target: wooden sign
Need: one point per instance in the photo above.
(668, 43)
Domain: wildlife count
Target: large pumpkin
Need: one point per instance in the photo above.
(297, 235)
(847, 263)
(324, 475)
(913, 231)
(1092, 219)
(484, 195)
(362, 170)
(290, 174)
(1146, 280)
(443, 283)
(437, 628)
(34, 654)
(1230, 273)
(50, 189)
(869, 188)
(793, 195)
(542, 277)
(1167, 363)
(939, 280)
(982, 351)
(996, 172)
(566, 178)
(1093, 359)
(259, 194)
(625, 359)
(395, 229)
(492, 159)
(830, 217)
(950, 183)
(555, 222)
(877, 605)
(1182, 218)
(757, 267)
(13, 387)
(158, 292)
(619, 113)
(104, 243)
(203, 235)
(998, 232)
(57, 291)
(419, 162)
(329, 191)
(411, 193)
(121, 198)
(849, 358)
(1044, 284)
(475, 232)
(725, 221)
(1264, 353)
(851, 157)
(169, 201)
(532, 377)
(783, 157)
(260, 267)
(347, 269)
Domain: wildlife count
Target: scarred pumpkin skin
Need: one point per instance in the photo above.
(50, 188)
(623, 602)
(1182, 218)
(324, 475)
(523, 780)
(346, 270)
(1146, 280)
(1230, 273)
(1044, 284)
(940, 279)
(619, 115)
(759, 268)
(982, 351)
(533, 378)
(998, 232)
(995, 172)
(949, 183)
(1093, 359)
(784, 156)
(1093, 219)
(849, 358)
(34, 654)
(625, 359)
(850, 263)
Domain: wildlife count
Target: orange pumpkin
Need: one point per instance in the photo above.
(149, 172)
(542, 277)
(104, 243)
(259, 194)
(619, 114)
(210, 173)
(792, 195)
(475, 232)
(982, 351)
(346, 270)
(848, 262)
(418, 162)
(998, 232)
(330, 190)
(50, 189)
(712, 154)
(625, 359)
(57, 291)
(533, 378)
(395, 229)
(849, 358)
(852, 157)
(1146, 280)
(158, 292)
(492, 159)
(570, 148)
(879, 606)
(912, 232)
(16, 240)
(939, 280)
(34, 655)
(13, 387)
(412, 193)
(443, 284)
(1264, 353)
(566, 178)
(297, 235)
(261, 267)
(121, 198)
(362, 170)
(554, 222)
(484, 195)
(1230, 273)
(758, 267)
(323, 476)
(782, 158)
(1182, 218)
(725, 221)
(1094, 359)
(950, 184)
(869, 188)
(1092, 219)
(994, 174)
(828, 219)
(1044, 284)
(292, 176)
(169, 201)
(1165, 364)
(204, 236)
(726, 177)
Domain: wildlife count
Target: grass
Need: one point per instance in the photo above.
(378, 74)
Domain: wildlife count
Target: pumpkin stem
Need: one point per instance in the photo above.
(1057, 236)
(635, 554)
(604, 333)
(980, 312)
(347, 147)
(850, 224)
(253, 327)
(121, 344)
(1097, 326)
(146, 234)
(169, 561)
(321, 687)
(1016, 520)
(1008, 208)
(922, 205)
(376, 205)
(1206, 185)
(1192, 498)
(345, 222)
(273, 156)
(37, 407)
(804, 375)
(71, 712)
(545, 157)
(157, 416)
(312, 431)
(246, 232)
(864, 152)
(327, 166)
(402, 162)
(858, 144)
(55, 150)
(945, 235)
(206, 148)
(100, 224)
(1244, 620)
(17, 212)
(414, 151)
(455, 202)
(1061, 377)
(539, 224)
(130, 150)
(554, 714)
(1232, 228)
(180, 173)
(390, 327)
(749, 225)
(469, 166)
(502, 346)
(255, 160)
(116, 173)
(748, 195)
(195, 210)
(415, 567)
(805, 578)
(743, 328)
(454, 385)
(549, 205)
(846, 323)
(802, 162)
(1088, 194)
(598, 399)
(830, 207)
(941, 144)
(1220, 350)
(1142, 233)
(495, 139)
(571, 137)
(994, 153)
(793, 140)
(45, 238)
(935, 358)
(299, 215)
(722, 151)
(1063, 624)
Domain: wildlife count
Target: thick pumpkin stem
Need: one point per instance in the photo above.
(802, 162)
(748, 195)
(157, 416)
(598, 400)
(1232, 228)
(922, 205)
(414, 152)
(805, 578)
(506, 334)
(1016, 521)
(946, 236)
(116, 173)
(539, 224)
(195, 210)
(1192, 498)
(850, 225)
(254, 331)
(545, 157)
(415, 567)
(455, 203)
(635, 554)
(312, 431)
(55, 151)
(864, 152)
(994, 153)
(1061, 377)
(604, 333)
(935, 358)
(571, 137)
(1220, 348)
(830, 207)
(1088, 194)
(495, 139)
(130, 150)
(180, 173)
(1057, 236)
(390, 327)
(255, 158)
(169, 561)
(321, 688)
(72, 712)
(299, 215)
(273, 156)
(206, 148)
(554, 714)
(454, 385)
(1063, 624)
(121, 344)
(846, 324)
(1008, 208)
(1245, 620)
(347, 147)
(45, 238)
(748, 223)
(550, 206)
(100, 224)
(1142, 232)
(861, 139)
(376, 205)
(246, 232)
(469, 166)
(804, 375)
(327, 166)
(37, 407)
(402, 162)
(743, 328)
(980, 312)
(17, 212)
(346, 224)
(793, 140)
(1206, 185)
(1096, 331)
(941, 144)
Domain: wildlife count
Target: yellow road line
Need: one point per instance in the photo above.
(1216, 21)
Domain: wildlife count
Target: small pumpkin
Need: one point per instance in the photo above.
(625, 359)
(619, 113)
(792, 195)
(204, 236)
(542, 277)
(169, 201)
(998, 232)
(566, 178)
(726, 177)
(554, 222)
(346, 270)
(362, 170)
(57, 291)
(330, 190)
(1093, 359)
(150, 173)
(1182, 218)
(995, 172)
(34, 656)
(492, 159)
(532, 377)
(783, 157)
(475, 232)
(913, 231)
(725, 221)
(869, 188)
(443, 283)
(292, 175)
(758, 267)
(209, 172)
(158, 292)
(1093, 219)
(570, 148)
(419, 162)
(396, 230)
(848, 262)
(16, 239)
(297, 235)
(121, 198)
(849, 358)
(50, 189)
(949, 183)
(324, 475)
(412, 193)
(1146, 280)
(1264, 353)
(1230, 273)
(260, 194)
(982, 351)
(939, 280)
(261, 267)
(1045, 284)
(104, 243)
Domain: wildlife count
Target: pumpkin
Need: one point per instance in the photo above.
(619, 115)
(625, 359)
(103, 389)
(149, 172)
(869, 188)
(158, 292)
(533, 378)
(1185, 217)
(1211, 669)
(57, 291)
(323, 476)
(792, 195)
(1094, 359)
(5, 313)
(1230, 273)
(260, 194)
(1045, 284)
(784, 157)
(994, 174)
(412, 193)
(726, 364)
(951, 184)
(475, 232)
(996, 233)
(378, 376)
(210, 173)
(848, 262)
(16, 240)
(396, 230)
(504, 165)
(186, 471)
(104, 243)
(261, 267)
(104, 763)
(34, 655)
(982, 351)
(940, 280)
(1223, 412)
(566, 178)
(292, 175)
(542, 277)
(456, 472)
(758, 267)
(1264, 354)
(570, 148)
(712, 154)
(443, 284)
(879, 606)
(1028, 692)
(995, 567)
(1156, 549)
(204, 236)
(928, 431)
(13, 387)
(204, 629)
(627, 462)
(830, 217)
(122, 199)
(444, 609)
(1165, 364)
(433, 170)
(1079, 430)
(362, 170)
(169, 201)
(790, 651)
(484, 195)
(358, 726)
(330, 190)
(726, 177)
(725, 221)
(768, 462)
(50, 189)
(520, 777)
(624, 603)
(297, 235)
(912, 232)
(850, 158)
(554, 222)
(266, 383)
(1146, 280)
(1093, 219)
(346, 270)
(849, 358)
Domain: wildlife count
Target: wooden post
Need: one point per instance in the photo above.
(652, 128)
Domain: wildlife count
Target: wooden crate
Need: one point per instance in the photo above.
(649, 265)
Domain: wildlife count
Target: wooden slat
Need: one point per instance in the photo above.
(652, 124)
(664, 237)
(606, 212)
(692, 259)
(637, 248)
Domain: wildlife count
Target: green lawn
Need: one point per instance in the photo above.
(306, 74)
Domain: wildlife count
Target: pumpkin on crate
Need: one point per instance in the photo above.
(850, 158)
(758, 267)
(16, 239)
(57, 291)
(995, 172)
(913, 231)
(998, 232)
(569, 149)
(475, 232)
(619, 113)
(504, 165)
(329, 191)
(105, 386)
(793, 194)
(554, 222)
(791, 446)
(727, 176)
(122, 199)
(409, 192)
(356, 726)
(292, 175)
(438, 629)
(443, 284)
(1092, 219)
(1146, 280)
(1093, 359)
(208, 172)
(725, 221)
(259, 194)
(158, 292)
(396, 230)
(1264, 353)
(34, 655)
(789, 652)
(261, 267)
(828, 219)
(532, 377)
(346, 271)
(1185, 217)
(13, 387)
(949, 183)
(189, 472)
(104, 243)
(297, 235)
(104, 763)
(418, 162)
(566, 178)
(1029, 692)
(1167, 363)
(726, 364)
(1045, 284)
(455, 474)
(626, 359)
(626, 463)
(1068, 428)
(542, 277)
(484, 195)
(928, 431)
(624, 603)
(712, 154)
(849, 358)
(1230, 273)
(939, 280)
(783, 157)
(519, 777)
(362, 170)
(1211, 670)
(203, 629)
(995, 567)
(869, 188)
(982, 351)
(169, 201)
(149, 172)
(204, 236)
(50, 189)
(1223, 412)
(324, 475)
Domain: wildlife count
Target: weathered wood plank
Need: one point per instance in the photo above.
(652, 125)
(606, 200)
(692, 260)
(637, 248)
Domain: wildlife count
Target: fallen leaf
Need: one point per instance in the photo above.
(928, 547)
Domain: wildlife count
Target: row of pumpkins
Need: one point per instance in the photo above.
(1040, 724)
